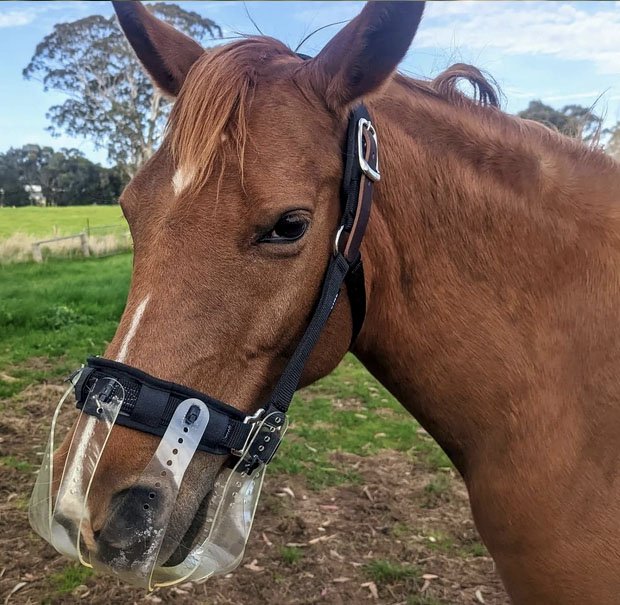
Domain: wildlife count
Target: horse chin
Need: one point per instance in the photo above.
(191, 536)
(189, 517)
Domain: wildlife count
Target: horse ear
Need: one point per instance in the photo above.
(363, 55)
(166, 53)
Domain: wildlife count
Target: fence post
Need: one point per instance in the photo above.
(84, 242)
(36, 253)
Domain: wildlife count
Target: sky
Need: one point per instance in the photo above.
(559, 52)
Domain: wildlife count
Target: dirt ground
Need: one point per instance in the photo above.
(404, 536)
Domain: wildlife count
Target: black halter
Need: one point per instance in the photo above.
(149, 402)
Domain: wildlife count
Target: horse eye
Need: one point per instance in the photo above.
(289, 228)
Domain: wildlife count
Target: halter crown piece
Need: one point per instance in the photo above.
(109, 393)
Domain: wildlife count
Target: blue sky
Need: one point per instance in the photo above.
(560, 52)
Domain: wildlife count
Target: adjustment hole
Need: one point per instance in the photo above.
(163, 473)
(175, 451)
(152, 495)
(158, 484)
(99, 410)
(180, 439)
(185, 429)
(169, 462)
(146, 507)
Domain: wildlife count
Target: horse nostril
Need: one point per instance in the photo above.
(96, 535)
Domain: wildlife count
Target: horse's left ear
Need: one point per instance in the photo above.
(166, 53)
(364, 54)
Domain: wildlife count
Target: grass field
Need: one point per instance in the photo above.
(359, 501)
(41, 222)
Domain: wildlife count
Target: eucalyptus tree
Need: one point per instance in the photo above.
(109, 99)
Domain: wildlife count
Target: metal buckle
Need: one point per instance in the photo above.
(372, 173)
(253, 419)
(337, 240)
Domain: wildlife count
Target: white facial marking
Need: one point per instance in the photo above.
(133, 328)
(72, 503)
(182, 178)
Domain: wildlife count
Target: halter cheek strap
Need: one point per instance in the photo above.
(149, 403)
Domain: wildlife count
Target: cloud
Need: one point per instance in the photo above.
(575, 32)
(16, 18)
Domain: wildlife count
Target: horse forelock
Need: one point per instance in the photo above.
(210, 115)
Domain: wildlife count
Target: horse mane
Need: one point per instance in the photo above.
(209, 117)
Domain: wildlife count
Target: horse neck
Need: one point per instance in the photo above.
(483, 257)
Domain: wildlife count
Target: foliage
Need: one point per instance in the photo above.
(65, 177)
(110, 99)
(572, 120)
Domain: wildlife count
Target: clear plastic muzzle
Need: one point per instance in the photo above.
(129, 544)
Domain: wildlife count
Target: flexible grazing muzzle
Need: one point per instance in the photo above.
(109, 393)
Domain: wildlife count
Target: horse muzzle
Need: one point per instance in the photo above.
(134, 542)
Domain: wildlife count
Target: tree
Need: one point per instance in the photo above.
(65, 178)
(110, 99)
(613, 143)
(572, 120)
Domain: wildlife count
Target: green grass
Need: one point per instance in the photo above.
(67, 580)
(387, 572)
(291, 554)
(320, 428)
(63, 310)
(68, 220)
(13, 462)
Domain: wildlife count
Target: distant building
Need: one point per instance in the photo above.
(36, 194)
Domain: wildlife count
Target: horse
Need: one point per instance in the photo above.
(492, 280)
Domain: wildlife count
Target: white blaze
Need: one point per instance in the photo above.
(133, 328)
(182, 178)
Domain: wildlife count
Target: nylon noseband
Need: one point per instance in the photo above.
(149, 403)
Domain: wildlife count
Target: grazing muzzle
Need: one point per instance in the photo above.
(129, 544)
(132, 542)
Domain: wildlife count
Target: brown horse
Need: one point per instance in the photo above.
(492, 276)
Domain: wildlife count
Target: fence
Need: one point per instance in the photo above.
(95, 241)
(37, 252)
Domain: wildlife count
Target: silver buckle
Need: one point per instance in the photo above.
(372, 173)
(337, 240)
(253, 419)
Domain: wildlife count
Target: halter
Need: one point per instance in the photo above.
(150, 403)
